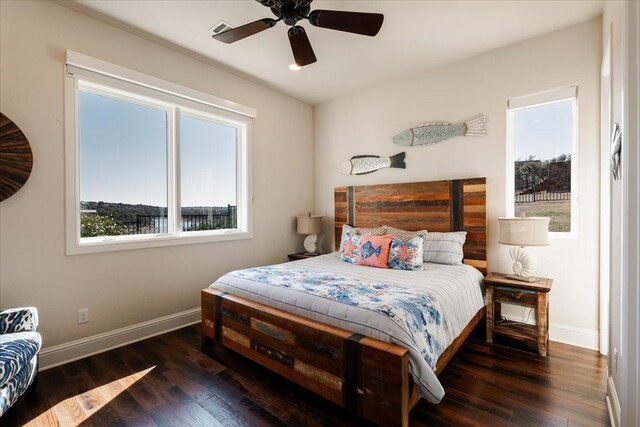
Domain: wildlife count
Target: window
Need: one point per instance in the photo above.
(122, 147)
(150, 163)
(208, 174)
(542, 163)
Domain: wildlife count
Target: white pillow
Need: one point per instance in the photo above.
(444, 248)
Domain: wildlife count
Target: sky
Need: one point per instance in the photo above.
(208, 159)
(123, 155)
(544, 131)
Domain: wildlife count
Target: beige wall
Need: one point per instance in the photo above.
(127, 287)
(364, 123)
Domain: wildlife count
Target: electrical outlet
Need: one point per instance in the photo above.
(83, 315)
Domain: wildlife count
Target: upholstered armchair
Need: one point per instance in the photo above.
(19, 346)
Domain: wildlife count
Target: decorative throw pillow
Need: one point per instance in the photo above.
(374, 250)
(407, 255)
(351, 249)
(406, 235)
(348, 231)
(444, 248)
(373, 231)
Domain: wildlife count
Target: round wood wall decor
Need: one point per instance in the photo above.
(16, 159)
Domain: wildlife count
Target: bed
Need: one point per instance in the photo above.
(287, 318)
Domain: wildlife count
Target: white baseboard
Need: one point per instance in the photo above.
(74, 350)
(575, 336)
(613, 404)
(580, 337)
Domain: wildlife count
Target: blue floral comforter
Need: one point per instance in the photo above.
(417, 313)
(423, 311)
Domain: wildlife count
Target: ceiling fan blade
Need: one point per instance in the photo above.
(269, 3)
(239, 33)
(301, 47)
(367, 24)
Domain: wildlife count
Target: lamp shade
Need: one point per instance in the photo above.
(529, 231)
(308, 224)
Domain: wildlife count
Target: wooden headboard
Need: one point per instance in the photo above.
(456, 205)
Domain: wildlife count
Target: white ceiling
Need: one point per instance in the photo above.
(416, 36)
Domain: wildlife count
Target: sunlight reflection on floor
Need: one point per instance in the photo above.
(74, 410)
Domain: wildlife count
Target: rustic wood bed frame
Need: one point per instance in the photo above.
(367, 376)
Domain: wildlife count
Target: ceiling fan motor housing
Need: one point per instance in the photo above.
(290, 11)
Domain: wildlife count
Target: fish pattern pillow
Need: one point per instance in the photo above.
(351, 249)
(406, 255)
(348, 231)
(374, 250)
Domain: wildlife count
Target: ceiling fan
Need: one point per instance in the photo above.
(293, 11)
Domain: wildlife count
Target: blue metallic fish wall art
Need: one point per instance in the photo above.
(360, 165)
(434, 132)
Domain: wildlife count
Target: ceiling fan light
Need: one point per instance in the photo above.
(294, 67)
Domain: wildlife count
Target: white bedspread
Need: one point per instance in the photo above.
(370, 301)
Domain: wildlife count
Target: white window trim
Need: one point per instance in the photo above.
(97, 72)
(97, 69)
(537, 99)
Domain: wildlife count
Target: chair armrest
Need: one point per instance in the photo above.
(23, 319)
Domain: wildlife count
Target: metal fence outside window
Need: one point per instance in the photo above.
(157, 224)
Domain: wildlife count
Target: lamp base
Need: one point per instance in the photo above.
(528, 279)
(524, 263)
(310, 243)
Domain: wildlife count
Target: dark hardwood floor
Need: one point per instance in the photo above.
(168, 381)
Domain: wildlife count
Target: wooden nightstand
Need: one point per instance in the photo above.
(534, 295)
(301, 255)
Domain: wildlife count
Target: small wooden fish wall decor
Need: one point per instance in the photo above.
(360, 165)
(432, 133)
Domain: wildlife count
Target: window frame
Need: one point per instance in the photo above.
(536, 100)
(104, 79)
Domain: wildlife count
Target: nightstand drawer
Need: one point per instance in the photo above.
(515, 296)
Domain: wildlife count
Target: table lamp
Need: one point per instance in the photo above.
(310, 225)
(519, 233)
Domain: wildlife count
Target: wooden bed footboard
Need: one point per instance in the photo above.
(367, 376)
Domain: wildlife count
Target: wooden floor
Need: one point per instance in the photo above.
(167, 381)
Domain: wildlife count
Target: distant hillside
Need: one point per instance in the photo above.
(123, 212)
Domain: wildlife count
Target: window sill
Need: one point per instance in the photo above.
(153, 242)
